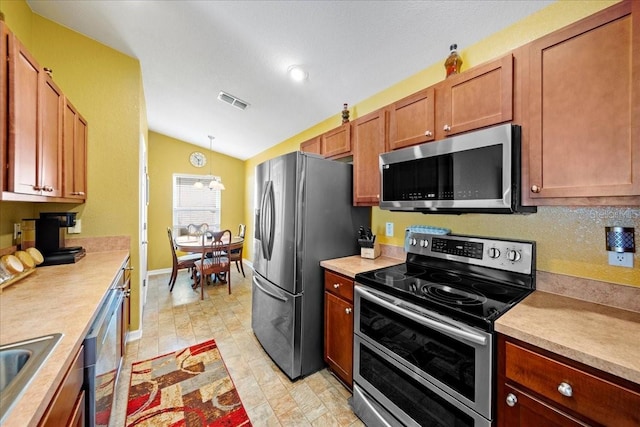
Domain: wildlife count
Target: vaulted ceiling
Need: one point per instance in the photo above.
(189, 51)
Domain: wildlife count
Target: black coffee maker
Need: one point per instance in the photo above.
(50, 238)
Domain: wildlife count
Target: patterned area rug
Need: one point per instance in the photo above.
(190, 387)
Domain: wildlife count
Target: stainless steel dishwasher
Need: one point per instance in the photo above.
(103, 355)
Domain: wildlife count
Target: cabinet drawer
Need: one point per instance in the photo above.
(339, 285)
(63, 406)
(593, 397)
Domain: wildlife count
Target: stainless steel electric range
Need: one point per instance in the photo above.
(424, 341)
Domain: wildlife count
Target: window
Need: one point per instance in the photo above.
(193, 205)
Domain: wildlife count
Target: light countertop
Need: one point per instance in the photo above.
(54, 299)
(352, 265)
(604, 337)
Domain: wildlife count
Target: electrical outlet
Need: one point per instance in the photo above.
(621, 259)
(389, 229)
(16, 231)
(75, 229)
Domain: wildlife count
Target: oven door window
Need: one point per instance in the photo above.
(450, 361)
(417, 401)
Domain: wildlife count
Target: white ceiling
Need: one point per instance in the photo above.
(189, 51)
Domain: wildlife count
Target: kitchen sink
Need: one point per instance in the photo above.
(19, 363)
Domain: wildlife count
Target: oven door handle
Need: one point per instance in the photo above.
(365, 400)
(426, 321)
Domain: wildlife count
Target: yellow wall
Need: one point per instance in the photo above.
(168, 156)
(569, 240)
(105, 86)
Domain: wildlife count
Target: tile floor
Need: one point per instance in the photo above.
(179, 319)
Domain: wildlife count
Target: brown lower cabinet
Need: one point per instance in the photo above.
(539, 388)
(338, 326)
(67, 406)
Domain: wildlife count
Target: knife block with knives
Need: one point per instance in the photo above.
(369, 248)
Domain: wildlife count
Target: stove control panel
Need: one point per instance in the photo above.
(517, 256)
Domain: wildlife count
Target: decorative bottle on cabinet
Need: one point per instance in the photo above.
(345, 113)
(453, 62)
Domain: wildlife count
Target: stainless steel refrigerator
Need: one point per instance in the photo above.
(303, 214)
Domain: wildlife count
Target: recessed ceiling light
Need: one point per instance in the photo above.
(297, 73)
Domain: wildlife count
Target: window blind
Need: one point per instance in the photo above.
(192, 205)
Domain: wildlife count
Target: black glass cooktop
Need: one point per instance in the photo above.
(467, 296)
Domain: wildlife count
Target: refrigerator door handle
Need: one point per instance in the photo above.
(271, 294)
(261, 224)
(269, 220)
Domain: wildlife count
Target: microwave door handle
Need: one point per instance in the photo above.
(442, 327)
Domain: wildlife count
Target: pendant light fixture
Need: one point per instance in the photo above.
(215, 183)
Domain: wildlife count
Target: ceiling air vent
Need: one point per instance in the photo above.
(232, 100)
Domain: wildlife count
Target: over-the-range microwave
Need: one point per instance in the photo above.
(476, 172)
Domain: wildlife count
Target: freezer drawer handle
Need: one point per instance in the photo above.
(271, 294)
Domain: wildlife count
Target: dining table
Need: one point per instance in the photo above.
(191, 243)
(199, 244)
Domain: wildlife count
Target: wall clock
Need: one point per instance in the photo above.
(198, 159)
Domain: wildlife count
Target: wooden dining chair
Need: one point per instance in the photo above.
(236, 254)
(197, 230)
(215, 260)
(180, 262)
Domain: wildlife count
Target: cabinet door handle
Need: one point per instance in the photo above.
(37, 188)
(565, 389)
(336, 285)
(535, 189)
(446, 128)
(347, 310)
(511, 399)
(428, 133)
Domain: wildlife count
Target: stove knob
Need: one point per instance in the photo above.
(414, 241)
(423, 243)
(494, 253)
(513, 255)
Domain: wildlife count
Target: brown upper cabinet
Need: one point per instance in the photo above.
(412, 120)
(313, 146)
(584, 111)
(33, 132)
(35, 110)
(74, 154)
(369, 141)
(4, 89)
(337, 142)
(479, 97)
